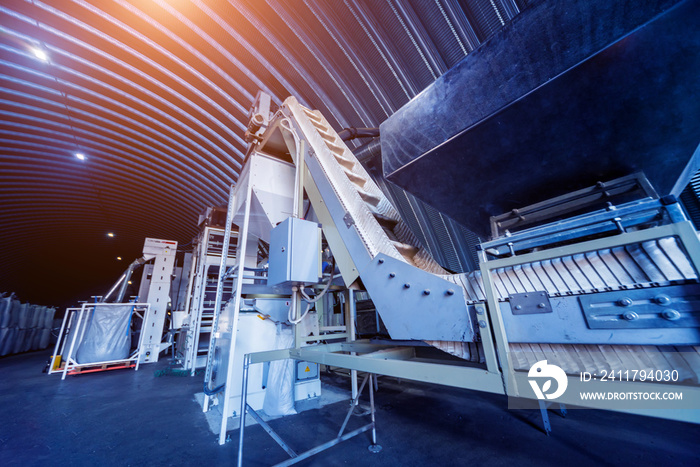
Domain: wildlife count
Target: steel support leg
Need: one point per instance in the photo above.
(374, 447)
(353, 403)
(219, 297)
(294, 458)
(244, 402)
(545, 417)
(271, 432)
(78, 328)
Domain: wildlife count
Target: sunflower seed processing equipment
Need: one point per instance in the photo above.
(570, 173)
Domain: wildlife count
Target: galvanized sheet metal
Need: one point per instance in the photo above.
(156, 95)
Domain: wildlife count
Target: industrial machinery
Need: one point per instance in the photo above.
(608, 291)
(193, 342)
(158, 296)
(265, 304)
(589, 280)
(97, 336)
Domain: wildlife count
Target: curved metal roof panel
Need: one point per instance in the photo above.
(155, 95)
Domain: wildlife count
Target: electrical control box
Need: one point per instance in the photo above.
(306, 371)
(295, 253)
(307, 384)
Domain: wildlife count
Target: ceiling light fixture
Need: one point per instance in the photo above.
(119, 258)
(40, 54)
(80, 156)
(110, 234)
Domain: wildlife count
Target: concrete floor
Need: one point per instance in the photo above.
(134, 418)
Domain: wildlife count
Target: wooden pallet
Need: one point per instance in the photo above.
(104, 367)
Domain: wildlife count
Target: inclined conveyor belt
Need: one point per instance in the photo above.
(381, 230)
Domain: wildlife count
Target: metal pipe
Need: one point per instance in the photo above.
(371, 408)
(369, 151)
(346, 134)
(124, 280)
(354, 402)
(350, 326)
(132, 267)
(270, 431)
(324, 446)
(244, 402)
(114, 287)
(230, 271)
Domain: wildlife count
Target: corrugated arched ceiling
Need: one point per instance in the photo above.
(155, 94)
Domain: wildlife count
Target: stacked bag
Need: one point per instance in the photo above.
(23, 327)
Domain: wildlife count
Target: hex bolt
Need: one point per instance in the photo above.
(482, 323)
(380, 260)
(624, 301)
(450, 292)
(480, 310)
(541, 305)
(618, 223)
(426, 292)
(518, 307)
(407, 285)
(630, 315)
(391, 275)
(662, 300)
(671, 315)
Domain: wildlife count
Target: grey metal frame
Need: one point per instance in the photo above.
(556, 207)
(495, 341)
(261, 357)
(76, 318)
(499, 376)
(203, 260)
(611, 220)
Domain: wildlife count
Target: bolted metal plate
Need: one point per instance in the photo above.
(530, 303)
(668, 307)
(349, 221)
(415, 304)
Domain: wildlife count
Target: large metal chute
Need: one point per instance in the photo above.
(517, 122)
